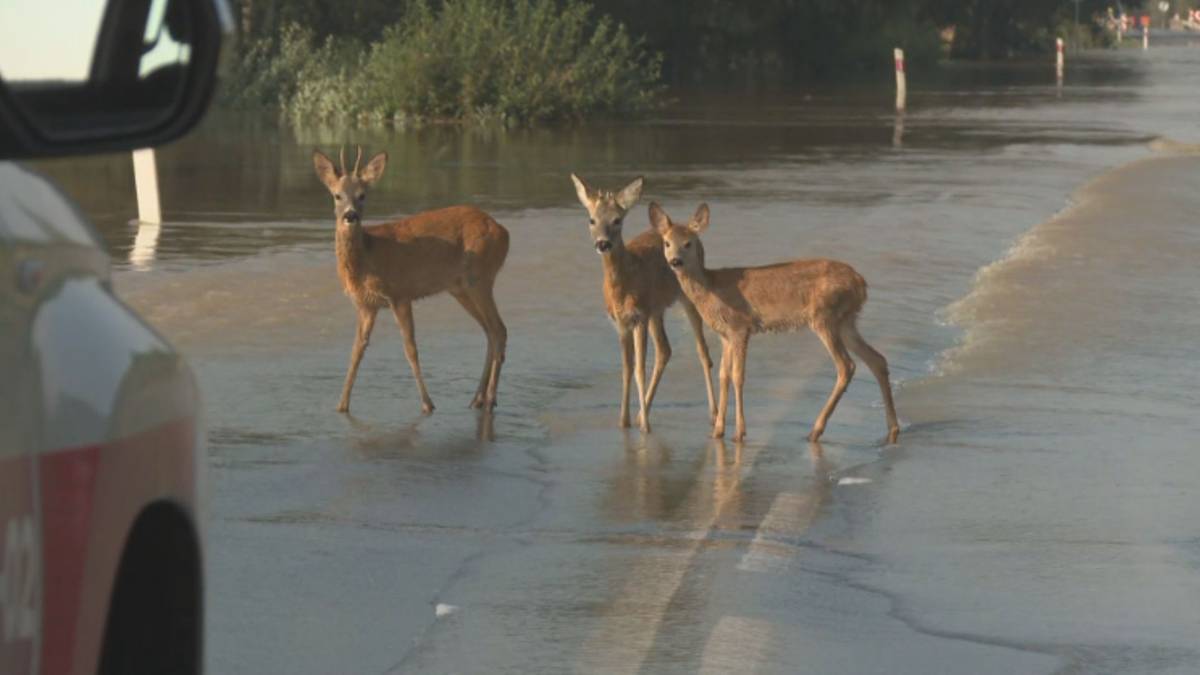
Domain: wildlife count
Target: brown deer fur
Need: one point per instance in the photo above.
(638, 288)
(459, 250)
(737, 302)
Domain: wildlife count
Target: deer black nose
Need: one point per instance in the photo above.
(350, 216)
(603, 245)
(676, 262)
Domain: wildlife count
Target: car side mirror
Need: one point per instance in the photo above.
(104, 75)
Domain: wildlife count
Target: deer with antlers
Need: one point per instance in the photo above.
(638, 289)
(737, 302)
(459, 250)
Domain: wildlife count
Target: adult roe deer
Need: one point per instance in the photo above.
(737, 302)
(459, 249)
(638, 288)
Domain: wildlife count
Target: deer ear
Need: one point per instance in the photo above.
(583, 191)
(699, 221)
(629, 194)
(659, 219)
(374, 169)
(326, 171)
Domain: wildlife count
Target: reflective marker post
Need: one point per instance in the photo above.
(145, 177)
(901, 84)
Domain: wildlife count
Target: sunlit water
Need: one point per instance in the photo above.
(1031, 252)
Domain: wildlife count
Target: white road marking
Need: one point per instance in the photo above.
(628, 631)
(791, 514)
(737, 645)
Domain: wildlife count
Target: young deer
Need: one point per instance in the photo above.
(737, 302)
(638, 288)
(459, 249)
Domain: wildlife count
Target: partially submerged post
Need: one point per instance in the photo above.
(1058, 61)
(1145, 31)
(145, 177)
(901, 85)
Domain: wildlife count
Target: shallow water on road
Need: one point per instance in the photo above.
(1036, 516)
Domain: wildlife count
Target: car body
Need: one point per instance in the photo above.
(100, 448)
(101, 441)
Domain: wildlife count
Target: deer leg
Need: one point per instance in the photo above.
(702, 351)
(626, 336)
(404, 317)
(662, 354)
(879, 368)
(366, 322)
(499, 333)
(739, 379)
(469, 305)
(723, 388)
(639, 373)
(845, 371)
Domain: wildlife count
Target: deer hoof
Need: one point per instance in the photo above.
(893, 436)
(718, 432)
(342, 408)
(427, 408)
(814, 436)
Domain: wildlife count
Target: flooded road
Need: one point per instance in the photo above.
(1031, 256)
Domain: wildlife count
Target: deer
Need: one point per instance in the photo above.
(638, 288)
(459, 250)
(738, 302)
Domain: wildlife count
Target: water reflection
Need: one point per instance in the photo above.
(371, 441)
(145, 246)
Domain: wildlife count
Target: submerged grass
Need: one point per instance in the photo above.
(521, 61)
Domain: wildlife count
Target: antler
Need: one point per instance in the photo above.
(342, 158)
(357, 160)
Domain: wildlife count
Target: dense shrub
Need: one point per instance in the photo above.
(519, 61)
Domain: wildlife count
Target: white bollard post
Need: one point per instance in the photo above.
(901, 84)
(1058, 59)
(145, 178)
(1145, 36)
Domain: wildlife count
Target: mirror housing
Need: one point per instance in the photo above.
(147, 78)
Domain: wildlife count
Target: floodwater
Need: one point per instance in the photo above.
(1031, 251)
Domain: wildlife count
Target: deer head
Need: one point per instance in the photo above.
(681, 243)
(349, 188)
(606, 210)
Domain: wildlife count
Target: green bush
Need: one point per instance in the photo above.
(518, 61)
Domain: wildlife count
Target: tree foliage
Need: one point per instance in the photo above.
(519, 60)
(542, 59)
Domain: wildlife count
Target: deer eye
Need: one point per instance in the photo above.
(617, 222)
(688, 245)
(338, 197)
(591, 221)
